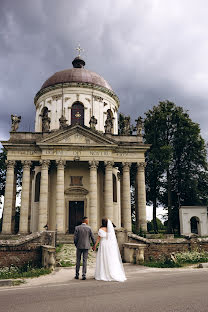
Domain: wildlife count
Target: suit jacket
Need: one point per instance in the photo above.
(82, 236)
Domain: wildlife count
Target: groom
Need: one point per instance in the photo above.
(82, 236)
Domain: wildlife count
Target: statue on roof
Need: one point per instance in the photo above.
(15, 122)
(109, 122)
(139, 126)
(93, 123)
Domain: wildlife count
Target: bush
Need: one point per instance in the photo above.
(24, 271)
(191, 257)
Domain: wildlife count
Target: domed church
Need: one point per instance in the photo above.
(75, 163)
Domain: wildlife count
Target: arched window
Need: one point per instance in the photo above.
(114, 189)
(37, 187)
(77, 114)
(194, 225)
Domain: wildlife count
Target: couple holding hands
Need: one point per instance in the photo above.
(109, 265)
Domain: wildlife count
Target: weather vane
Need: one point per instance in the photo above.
(79, 49)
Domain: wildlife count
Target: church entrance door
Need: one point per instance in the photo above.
(76, 212)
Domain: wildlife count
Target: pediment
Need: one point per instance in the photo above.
(76, 136)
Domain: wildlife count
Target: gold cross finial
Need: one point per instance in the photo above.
(79, 49)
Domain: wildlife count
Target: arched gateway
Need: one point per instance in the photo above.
(75, 163)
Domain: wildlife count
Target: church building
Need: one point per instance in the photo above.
(75, 163)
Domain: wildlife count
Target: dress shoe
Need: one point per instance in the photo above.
(76, 277)
(84, 278)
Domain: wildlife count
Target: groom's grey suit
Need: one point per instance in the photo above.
(82, 236)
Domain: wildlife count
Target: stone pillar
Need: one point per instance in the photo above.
(126, 198)
(141, 222)
(43, 202)
(25, 197)
(108, 190)
(93, 213)
(8, 199)
(30, 200)
(60, 202)
(14, 203)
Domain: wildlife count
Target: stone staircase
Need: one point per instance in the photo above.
(64, 239)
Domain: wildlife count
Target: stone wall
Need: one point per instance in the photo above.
(24, 249)
(161, 248)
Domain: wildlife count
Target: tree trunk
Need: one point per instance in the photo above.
(154, 215)
(169, 203)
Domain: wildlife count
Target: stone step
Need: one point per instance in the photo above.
(65, 239)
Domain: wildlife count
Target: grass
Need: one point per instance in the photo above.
(23, 272)
(58, 248)
(66, 264)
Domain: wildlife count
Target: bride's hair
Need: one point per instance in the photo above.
(105, 223)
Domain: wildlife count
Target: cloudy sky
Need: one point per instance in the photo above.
(148, 50)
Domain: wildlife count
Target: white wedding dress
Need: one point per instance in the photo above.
(109, 265)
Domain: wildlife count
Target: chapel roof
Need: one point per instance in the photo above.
(76, 74)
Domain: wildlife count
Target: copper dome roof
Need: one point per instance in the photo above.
(76, 74)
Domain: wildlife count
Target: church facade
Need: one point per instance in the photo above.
(75, 163)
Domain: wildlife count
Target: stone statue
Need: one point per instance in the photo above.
(126, 129)
(62, 122)
(109, 123)
(46, 123)
(15, 122)
(139, 126)
(93, 123)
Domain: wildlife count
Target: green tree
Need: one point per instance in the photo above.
(2, 171)
(176, 170)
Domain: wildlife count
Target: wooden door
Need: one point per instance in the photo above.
(76, 212)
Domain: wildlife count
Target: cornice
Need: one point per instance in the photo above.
(76, 85)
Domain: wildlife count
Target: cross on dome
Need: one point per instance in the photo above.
(79, 49)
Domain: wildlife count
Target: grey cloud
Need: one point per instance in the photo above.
(146, 52)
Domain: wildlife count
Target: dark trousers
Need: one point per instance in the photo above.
(81, 252)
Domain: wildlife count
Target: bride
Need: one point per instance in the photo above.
(109, 265)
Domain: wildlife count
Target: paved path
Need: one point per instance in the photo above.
(146, 290)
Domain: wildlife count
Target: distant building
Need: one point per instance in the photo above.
(193, 220)
(75, 163)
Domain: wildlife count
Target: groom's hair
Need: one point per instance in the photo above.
(84, 218)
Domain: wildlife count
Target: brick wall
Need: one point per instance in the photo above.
(160, 248)
(24, 249)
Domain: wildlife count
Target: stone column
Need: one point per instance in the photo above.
(93, 213)
(141, 222)
(126, 198)
(43, 202)
(108, 190)
(14, 202)
(25, 197)
(60, 202)
(30, 205)
(8, 199)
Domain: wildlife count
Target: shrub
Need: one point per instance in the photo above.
(191, 257)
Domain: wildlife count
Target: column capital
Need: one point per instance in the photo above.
(26, 164)
(93, 164)
(141, 165)
(109, 164)
(126, 165)
(44, 163)
(10, 164)
(60, 163)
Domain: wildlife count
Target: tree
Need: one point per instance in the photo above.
(176, 170)
(2, 171)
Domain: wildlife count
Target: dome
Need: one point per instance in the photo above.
(76, 74)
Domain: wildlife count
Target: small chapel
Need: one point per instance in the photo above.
(75, 163)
